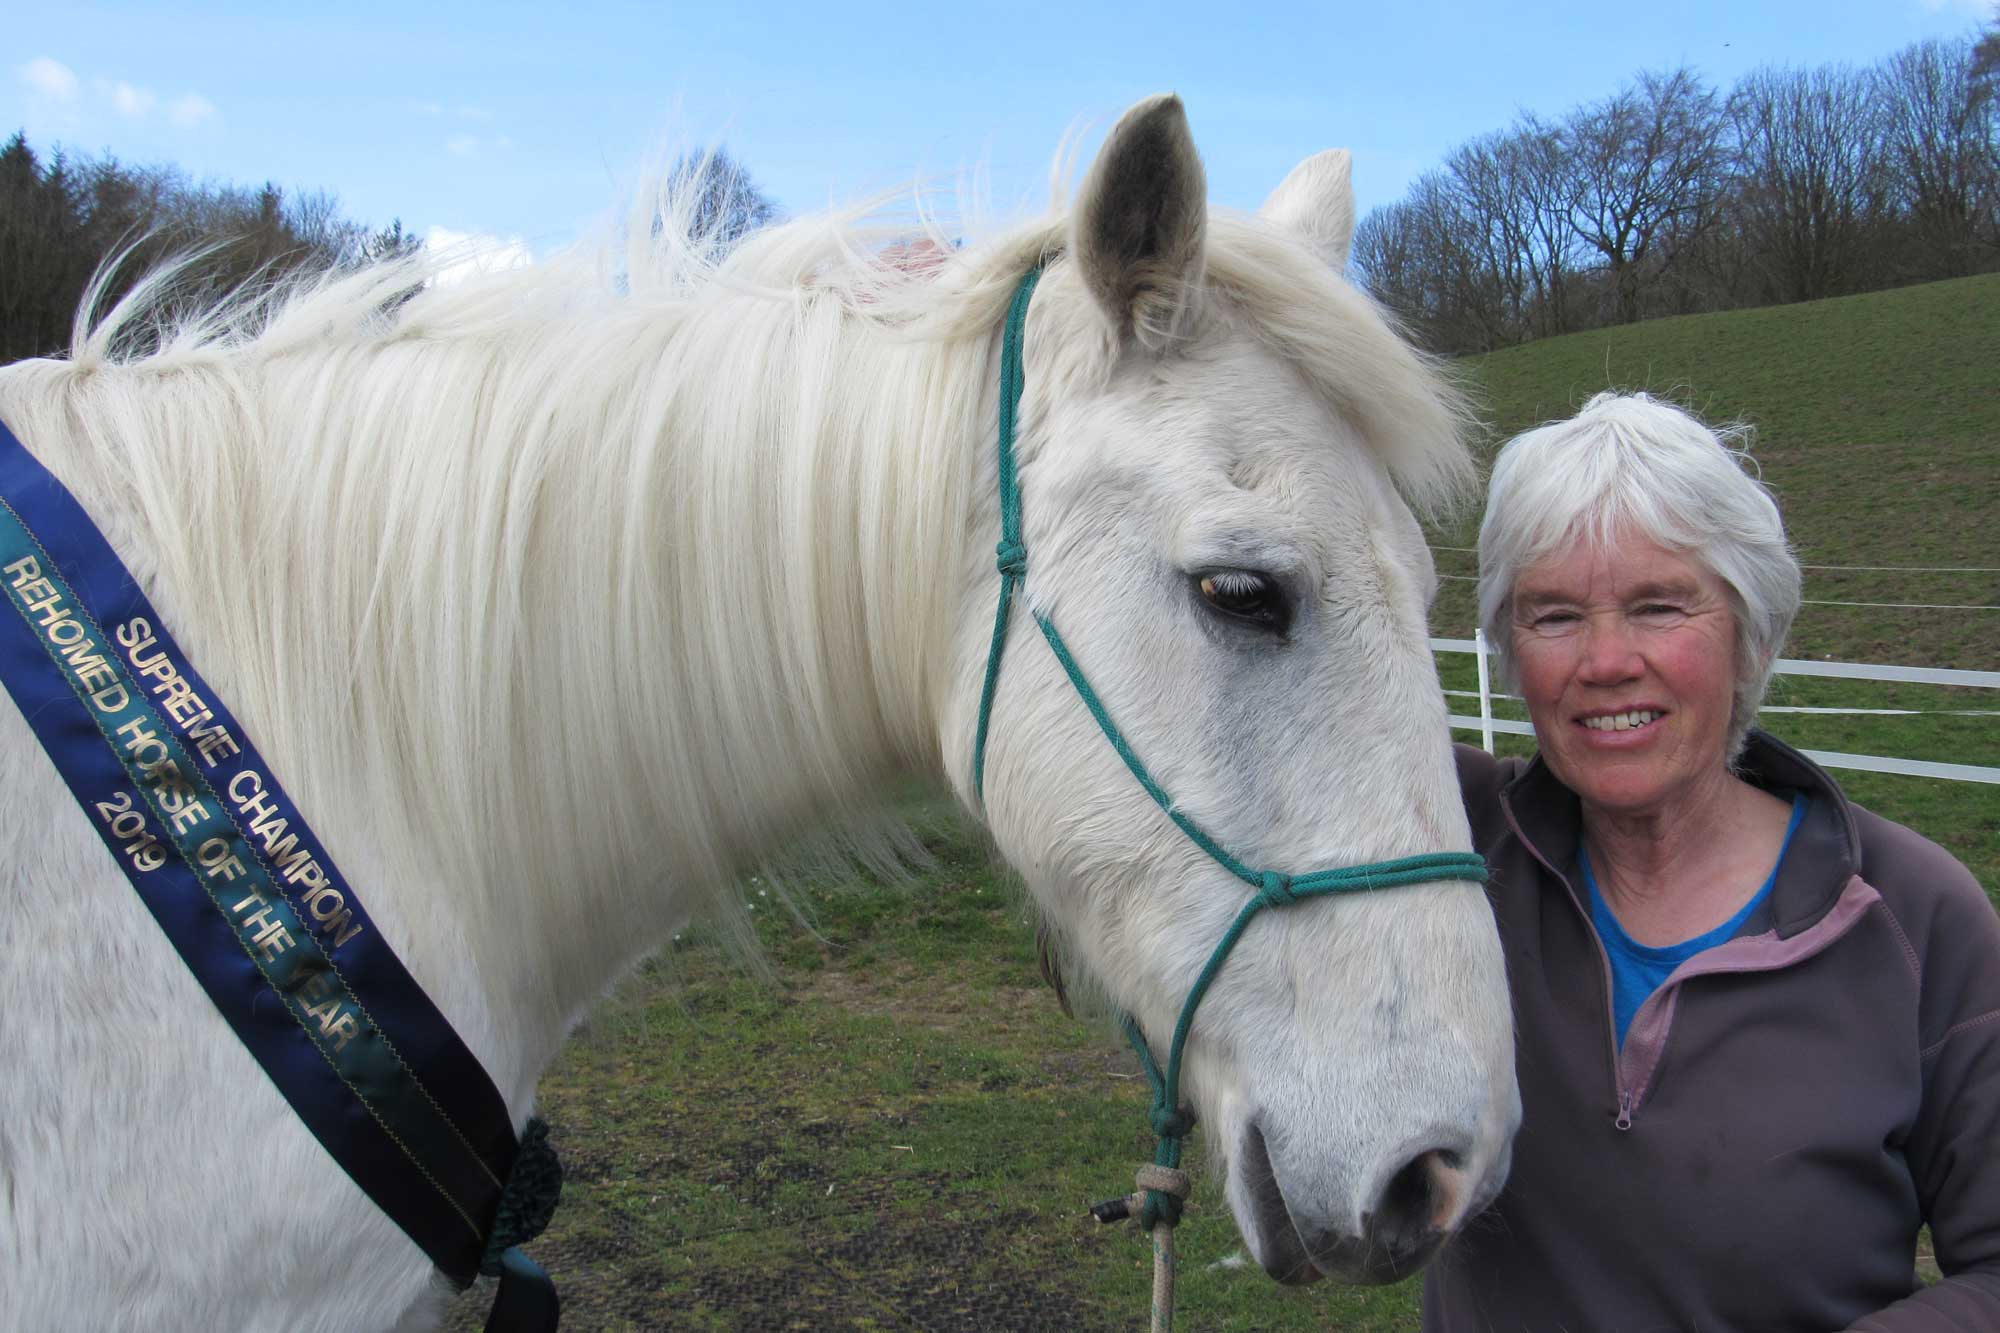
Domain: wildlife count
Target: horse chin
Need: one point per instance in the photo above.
(1383, 1253)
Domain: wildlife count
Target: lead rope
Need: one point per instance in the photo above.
(1162, 1187)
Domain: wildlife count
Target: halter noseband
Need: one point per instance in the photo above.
(1170, 1120)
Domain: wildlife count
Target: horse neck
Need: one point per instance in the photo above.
(564, 628)
(731, 622)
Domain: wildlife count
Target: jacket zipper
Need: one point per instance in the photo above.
(1646, 1042)
(1626, 1102)
(1853, 902)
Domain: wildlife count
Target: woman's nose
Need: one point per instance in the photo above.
(1610, 655)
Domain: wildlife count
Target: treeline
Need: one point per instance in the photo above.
(1672, 197)
(63, 217)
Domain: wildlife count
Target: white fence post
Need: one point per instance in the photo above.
(1485, 691)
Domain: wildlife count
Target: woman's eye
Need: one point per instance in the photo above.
(1243, 594)
(1657, 610)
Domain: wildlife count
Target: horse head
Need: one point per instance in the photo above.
(1222, 449)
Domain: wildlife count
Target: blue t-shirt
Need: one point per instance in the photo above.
(1637, 970)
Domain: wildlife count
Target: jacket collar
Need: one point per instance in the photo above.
(1824, 854)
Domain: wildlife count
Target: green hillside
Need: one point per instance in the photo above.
(1878, 424)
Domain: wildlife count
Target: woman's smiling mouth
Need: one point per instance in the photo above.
(1631, 720)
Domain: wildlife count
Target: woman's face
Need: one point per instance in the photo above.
(1627, 658)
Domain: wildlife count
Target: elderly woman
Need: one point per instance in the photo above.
(1759, 1027)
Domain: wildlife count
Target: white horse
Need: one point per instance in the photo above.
(554, 603)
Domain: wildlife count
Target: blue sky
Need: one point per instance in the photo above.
(527, 121)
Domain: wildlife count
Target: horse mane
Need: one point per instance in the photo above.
(735, 476)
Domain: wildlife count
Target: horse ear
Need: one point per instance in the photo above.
(1140, 221)
(1316, 204)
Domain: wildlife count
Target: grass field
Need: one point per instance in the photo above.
(899, 1129)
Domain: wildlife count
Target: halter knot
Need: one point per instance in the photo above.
(1173, 1124)
(1277, 890)
(1013, 557)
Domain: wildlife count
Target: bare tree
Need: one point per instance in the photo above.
(1426, 259)
(1485, 215)
(1668, 199)
(1385, 259)
(1547, 190)
(714, 198)
(1808, 155)
(1940, 135)
(1650, 159)
(1986, 55)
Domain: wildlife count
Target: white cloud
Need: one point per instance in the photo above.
(465, 254)
(190, 110)
(136, 103)
(50, 78)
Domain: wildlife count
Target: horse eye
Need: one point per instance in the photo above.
(1244, 594)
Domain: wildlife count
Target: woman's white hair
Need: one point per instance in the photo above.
(1630, 465)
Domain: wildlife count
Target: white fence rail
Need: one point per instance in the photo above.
(1486, 724)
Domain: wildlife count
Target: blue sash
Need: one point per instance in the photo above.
(249, 897)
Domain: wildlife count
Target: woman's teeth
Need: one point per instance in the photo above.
(1621, 721)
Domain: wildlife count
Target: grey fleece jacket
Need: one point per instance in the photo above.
(1786, 1111)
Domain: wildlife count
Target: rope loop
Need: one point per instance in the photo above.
(1165, 1179)
(1165, 1190)
(1173, 1124)
(1012, 558)
(1277, 890)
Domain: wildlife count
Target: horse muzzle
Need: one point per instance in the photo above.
(1414, 1203)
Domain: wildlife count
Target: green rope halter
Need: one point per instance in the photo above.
(1171, 1121)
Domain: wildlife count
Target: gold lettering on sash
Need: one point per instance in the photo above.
(216, 858)
(92, 670)
(329, 907)
(176, 796)
(143, 744)
(272, 937)
(343, 1030)
(125, 821)
(213, 743)
(174, 692)
(322, 999)
(326, 904)
(176, 696)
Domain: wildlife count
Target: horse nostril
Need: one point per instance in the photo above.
(1418, 1204)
